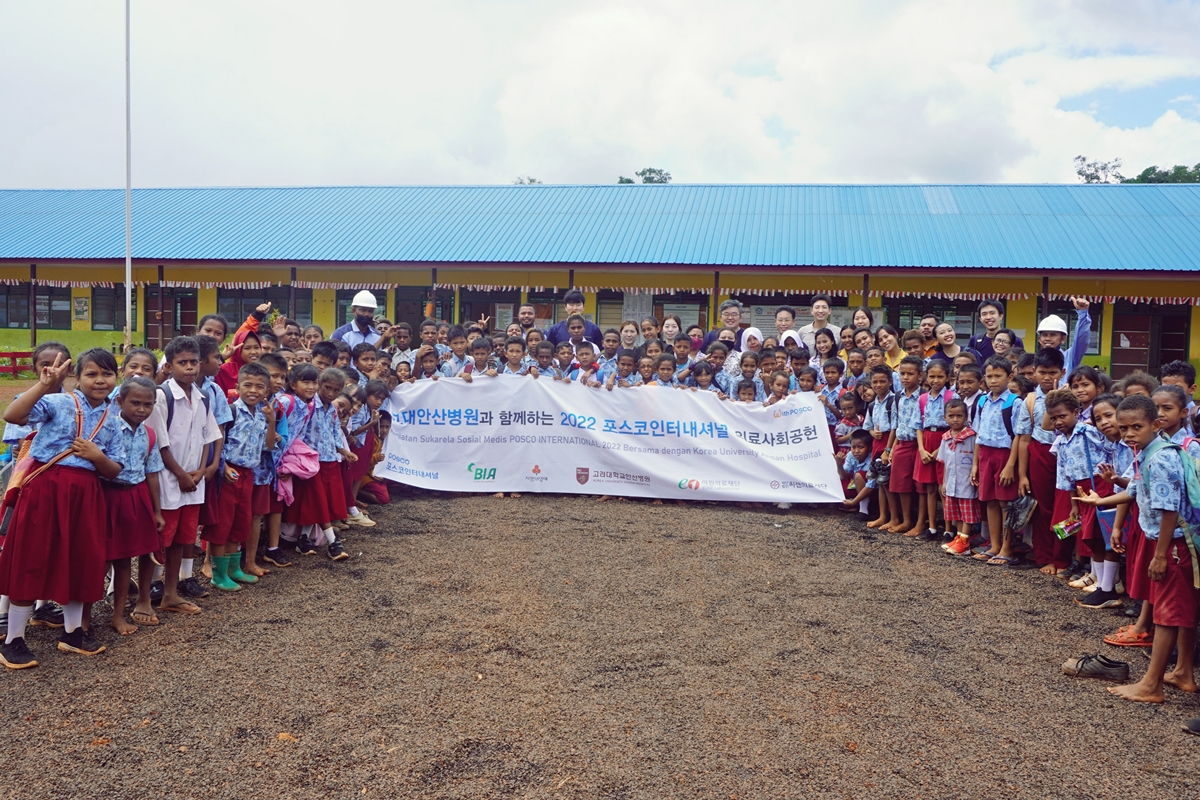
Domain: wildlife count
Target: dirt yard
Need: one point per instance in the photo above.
(558, 648)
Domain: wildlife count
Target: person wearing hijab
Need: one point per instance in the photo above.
(246, 349)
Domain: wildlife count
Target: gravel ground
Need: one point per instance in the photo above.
(554, 647)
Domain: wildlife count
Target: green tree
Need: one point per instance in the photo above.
(623, 179)
(652, 175)
(527, 180)
(1098, 171)
(1177, 174)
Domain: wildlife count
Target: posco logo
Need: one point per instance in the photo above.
(692, 484)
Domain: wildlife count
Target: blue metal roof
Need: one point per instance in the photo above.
(1081, 227)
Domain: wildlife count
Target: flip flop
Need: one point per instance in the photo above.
(143, 618)
(1006, 561)
(183, 607)
(984, 556)
(1130, 639)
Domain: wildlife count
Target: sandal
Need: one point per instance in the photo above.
(1006, 561)
(1128, 638)
(984, 556)
(143, 618)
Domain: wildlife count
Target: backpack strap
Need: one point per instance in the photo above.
(169, 399)
(150, 440)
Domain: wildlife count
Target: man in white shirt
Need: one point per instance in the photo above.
(820, 312)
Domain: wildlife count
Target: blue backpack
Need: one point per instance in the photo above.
(1189, 514)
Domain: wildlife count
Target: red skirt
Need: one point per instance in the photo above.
(264, 501)
(359, 469)
(1047, 549)
(1137, 556)
(132, 531)
(210, 512)
(1091, 540)
(904, 460)
(57, 541)
(927, 473)
(319, 499)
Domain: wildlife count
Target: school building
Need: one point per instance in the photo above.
(461, 252)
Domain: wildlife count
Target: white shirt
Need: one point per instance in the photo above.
(192, 429)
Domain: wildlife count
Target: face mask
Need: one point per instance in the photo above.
(367, 320)
(696, 342)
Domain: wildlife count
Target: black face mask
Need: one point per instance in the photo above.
(365, 320)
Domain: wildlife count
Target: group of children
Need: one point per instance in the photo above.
(1028, 464)
(151, 460)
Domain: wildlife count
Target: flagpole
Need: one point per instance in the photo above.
(128, 197)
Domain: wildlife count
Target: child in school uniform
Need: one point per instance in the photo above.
(132, 500)
(851, 407)
(932, 414)
(854, 467)
(1158, 483)
(1036, 463)
(183, 426)
(881, 421)
(362, 429)
(901, 452)
(251, 432)
(364, 359)
(210, 364)
(625, 376)
(54, 548)
(995, 467)
(265, 505)
(831, 390)
(664, 372)
(321, 500)
(955, 458)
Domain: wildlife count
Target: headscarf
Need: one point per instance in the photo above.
(227, 375)
(757, 334)
(795, 337)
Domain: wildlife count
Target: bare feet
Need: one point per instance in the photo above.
(659, 503)
(122, 625)
(206, 567)
(1137, 693)
(254, 569)
(1049, 569)
(514, 494)
(877, 523)
(499, 495)
(604, 498)
(1184, 682)
(912, 532)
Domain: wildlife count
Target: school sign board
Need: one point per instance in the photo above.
(518, 434)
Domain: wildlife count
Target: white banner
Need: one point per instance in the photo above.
(518, 434)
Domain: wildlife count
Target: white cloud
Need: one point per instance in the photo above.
(365, 92)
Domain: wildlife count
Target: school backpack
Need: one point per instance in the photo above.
(170, 400)
(1189, 515)
(923, 401)
(1006, 410)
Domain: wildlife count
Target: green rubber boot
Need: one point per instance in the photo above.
(233, 563)
(220, 578)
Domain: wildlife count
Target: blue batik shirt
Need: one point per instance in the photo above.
(935, 410)
(908, 416)
(246, 437)
(830, 393)
(140, 457)
(217, 401)
(634, 379)
(507, 370)
(264, 471)
(989, 422)
(853, 466)
(453, 366)
(323, 432)
(605, 365)
(760, 391)
(54, 418)
(1159, 487)
(357, 420)
(660, 382)
(1079, 454)
(1034, 423)
(882, 414)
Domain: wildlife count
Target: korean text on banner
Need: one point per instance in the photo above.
(518, 434)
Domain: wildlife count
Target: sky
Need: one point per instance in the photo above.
(357, 92)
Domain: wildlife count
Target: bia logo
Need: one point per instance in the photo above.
(689, 484)
(482, 473)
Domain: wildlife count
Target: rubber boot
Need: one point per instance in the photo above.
(233, 566)
(220, 578)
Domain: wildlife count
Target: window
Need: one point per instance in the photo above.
(108, 308)
(759, 310)
(52, 307)
(1066, 311)
(904, 313)
(237, 304)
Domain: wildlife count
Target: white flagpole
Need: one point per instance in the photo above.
(128, 198)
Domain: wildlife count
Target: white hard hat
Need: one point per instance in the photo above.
(365, 299)
(1052, 324)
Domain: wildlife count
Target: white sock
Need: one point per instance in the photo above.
(330, 536)
(864, 506)
(18, 618)
(72, 616)
(289, 531)
(158, 573)
(353, 511)
(4, 604)
(1108, 575)
(186, 566)
(108, 579)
